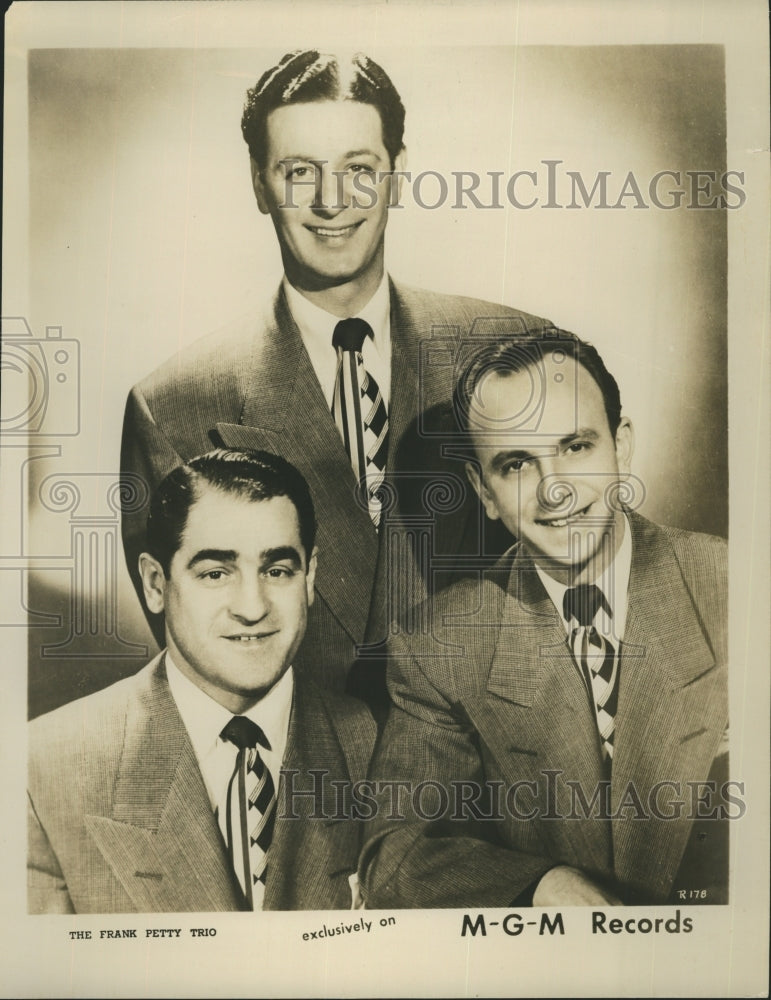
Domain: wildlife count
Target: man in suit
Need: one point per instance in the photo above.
(559, 725)
(194, 785)
(325, 138)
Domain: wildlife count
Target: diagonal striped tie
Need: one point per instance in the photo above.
(251, 808)
(596, 658)
(360, 412)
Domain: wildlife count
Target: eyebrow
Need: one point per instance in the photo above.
(213, 555)
(282, 553)
(299, 158)
(519, 454)
(360, 152)
(306, 158)
(269, 556)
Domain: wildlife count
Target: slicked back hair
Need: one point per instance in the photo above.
(516, 353)
(308, 75)
(251, 475)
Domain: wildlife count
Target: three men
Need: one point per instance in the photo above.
(346, 402)
(584, 676)
(564, 720)
(188, 786)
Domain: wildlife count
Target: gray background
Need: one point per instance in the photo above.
(144, 235)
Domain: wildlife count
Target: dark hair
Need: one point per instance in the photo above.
(252, 475)
(305, 76)
(516, 352)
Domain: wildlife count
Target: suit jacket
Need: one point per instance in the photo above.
(485, 691)
(254, 386)
(120, 820)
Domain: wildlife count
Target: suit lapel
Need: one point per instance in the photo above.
(284, 411)
(405, 338)
(314, 849)
(418, 473)
(537, 722)
(393, 541)
(162, 840)
(670, 717)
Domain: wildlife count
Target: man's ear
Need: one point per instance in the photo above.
(624, 445)
(400, 164)
(153, 582)
(475, 478)
(310, 576)
(259, 187)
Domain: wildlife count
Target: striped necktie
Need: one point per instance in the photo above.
(360, 412)
(251, 808)
(596, 658)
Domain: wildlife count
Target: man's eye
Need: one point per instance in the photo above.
(297, 172)
(578, 446)
(516, 465)
(359, 168)
(213, 574)
(279, 572)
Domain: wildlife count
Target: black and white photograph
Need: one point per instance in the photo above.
(385, 481)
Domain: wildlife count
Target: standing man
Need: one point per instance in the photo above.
(564, 720)
(191, 786)
(329, 376)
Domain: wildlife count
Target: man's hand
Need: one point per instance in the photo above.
(564, 886)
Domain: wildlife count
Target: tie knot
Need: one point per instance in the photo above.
(350, 334)
(583, 603)
(244, 733)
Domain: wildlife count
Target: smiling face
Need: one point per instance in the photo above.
(237, 595)
(326, 185)
(554, 489)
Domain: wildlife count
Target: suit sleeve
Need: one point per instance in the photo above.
(146, 458)
(46, 887)
(457, 859)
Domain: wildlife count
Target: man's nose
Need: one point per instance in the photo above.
(249, 602)
(331, 195)
(556, 492)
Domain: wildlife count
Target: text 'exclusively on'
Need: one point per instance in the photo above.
(345, 927)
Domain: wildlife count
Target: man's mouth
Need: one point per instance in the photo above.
(563, 522)
(334, 232)
(249, 637)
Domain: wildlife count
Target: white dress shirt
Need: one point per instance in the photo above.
(613, 582)
(317, 328)
(205, 719)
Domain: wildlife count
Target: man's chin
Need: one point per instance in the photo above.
(262, 685)
(322, 280)
(245, 698)
(566, 550)
(577, 557)
(319, 272)
(552, 563)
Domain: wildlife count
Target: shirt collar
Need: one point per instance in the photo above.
(317, 324)
(204, 718)
(613, 582)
